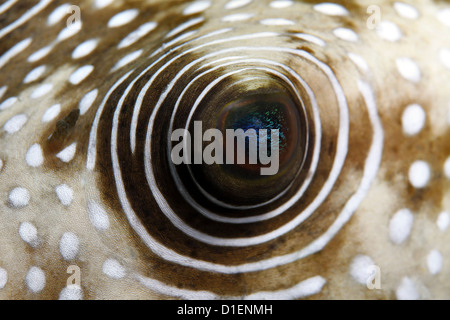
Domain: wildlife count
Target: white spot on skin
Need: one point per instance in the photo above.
(34, 74)
(419, 174)
(277, 22)
(443, 221)
(68, 246)
(444, 17)
(15, 123)
(34, 156)
(407, 290)
(137, 34)
(65, 194)
(447, 168)
(406, 11)
(19, 198)
(434, 262)
(41, 53)
(58, 14)
(28, 233)
(408, 69)
(359, 61)
(14, 51)
(346, 34)
(84, 49)
(197, 7)
(310, 38)
(237, 17)
(100, 4)
(1, 165)
(331, 9)
(87, 101)
(361, 269)
(448, 115)
(71, 292)
(3, 90)
(234, 4)
(35, 279)
(3, 278)
(68, 153)
(413, 119)
(98, 216)
(41, 91)
(113, 269)
(51, 113)
(280, 4)
(389, 31)
(127, 59)
(70, 31)
(8, 103)
(444, 56)
(80, 74)
(123, 18)
(400, 226)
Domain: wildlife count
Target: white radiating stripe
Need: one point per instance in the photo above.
(303, 289)
(14, 51)
(25, 17)
(184, 26)
(8, 4)
(92, 148)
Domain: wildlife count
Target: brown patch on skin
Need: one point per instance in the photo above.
(64, 130)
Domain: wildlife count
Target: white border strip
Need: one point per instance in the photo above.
(25, 17)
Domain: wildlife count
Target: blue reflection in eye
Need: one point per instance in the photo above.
(261, 116)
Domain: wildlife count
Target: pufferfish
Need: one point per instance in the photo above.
(92, 207)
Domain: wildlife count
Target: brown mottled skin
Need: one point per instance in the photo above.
(366, 233)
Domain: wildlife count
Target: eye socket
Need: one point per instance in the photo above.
(258, 146)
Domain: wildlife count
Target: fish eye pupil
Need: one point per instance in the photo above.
(264, 141)
(259, 113)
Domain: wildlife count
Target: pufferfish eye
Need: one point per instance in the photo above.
(229, 84)
(224, 149)
(224, 218)
(241, 184)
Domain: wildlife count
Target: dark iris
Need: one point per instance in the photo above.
(242, 184)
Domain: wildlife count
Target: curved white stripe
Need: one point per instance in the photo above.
(92, 147)
(184, 26)
(303, 289)
(25, 17)
(310, 38)
(8, 4)
(133, 126)
(141, 95)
